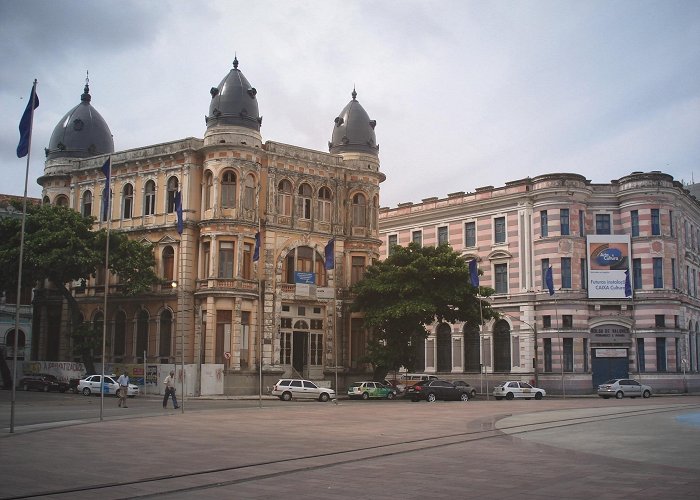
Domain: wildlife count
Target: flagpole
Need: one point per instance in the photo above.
(108, 213)
(261, 308)
(181, 293)
(335, 329)
(21, 257)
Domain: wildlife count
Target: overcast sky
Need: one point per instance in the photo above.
(465, 93)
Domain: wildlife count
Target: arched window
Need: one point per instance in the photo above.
(249, 193)
(10, 343)
(149, 202)
(375, 212)
(304, 202)
(208, 187)
(228, 189)
(141, 333)
(303, 259)
(46, 200)
(324, 205)
(87, 204)
(61, 201)
(501, 346)
(166, 326)
(471, 349)
(359, 210)
(284, 197)
(127, 201)
(444, 347)
(119, 333)
(172, 189)
(168, 263)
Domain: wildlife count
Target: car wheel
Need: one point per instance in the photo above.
(646, 394)
(391, 395)
(619, 395)
(325, 397)
(464, 397)
(472, 395)
(86, 391)
(509, 396)
(431, 398)
(365, 396)
(538, 395)
(286, 396)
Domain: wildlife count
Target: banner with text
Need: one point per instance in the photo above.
(608, 258)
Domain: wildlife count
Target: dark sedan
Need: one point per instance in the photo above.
(432, 390)
(43, 382)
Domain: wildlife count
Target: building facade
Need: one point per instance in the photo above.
(584, 330)
(256, 277)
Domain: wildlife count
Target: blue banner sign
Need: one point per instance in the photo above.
(304, 278)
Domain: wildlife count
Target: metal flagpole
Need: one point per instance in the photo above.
(181, 294)
(561, 348)
(108, 214)
(261, 309)
(30, 107)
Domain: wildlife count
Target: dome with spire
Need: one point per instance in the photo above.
(81, 133)
(233, 102)
(353, 130)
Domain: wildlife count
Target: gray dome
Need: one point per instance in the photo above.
(81, 133)
(233, 102)
(353, 130)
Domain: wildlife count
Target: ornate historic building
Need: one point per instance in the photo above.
(590, 328)
(222, 298)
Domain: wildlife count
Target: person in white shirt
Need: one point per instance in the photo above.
(123, 382)
(170, 390)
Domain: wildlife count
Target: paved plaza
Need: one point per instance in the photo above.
(551, 449)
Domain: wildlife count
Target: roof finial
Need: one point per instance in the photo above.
(86, 91)
(354, 94)
(235, 61)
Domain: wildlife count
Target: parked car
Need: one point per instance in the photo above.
(297, 388)
(409, 379)
(92, 384)
(621, 387)
(515, 389)
(43, 382)
(432, 390)
(371, 390)
(470, 389)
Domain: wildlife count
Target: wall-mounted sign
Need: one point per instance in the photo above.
(610, 353)
(608, 259)
(304, 277)
(615, 334)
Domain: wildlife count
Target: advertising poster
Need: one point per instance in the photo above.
(608, 258)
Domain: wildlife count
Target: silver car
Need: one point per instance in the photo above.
(621, 387)
(288, 388)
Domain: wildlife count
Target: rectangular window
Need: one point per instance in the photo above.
(392, 241)
(501, 275)
(499, 230)
(568, 354)
(544, 267)
(658, 272)
(637, 274)
(635, 222)
(544, 230)
(548, 355)
(567, 321)
(442, 235)
(358, 269)
(660, 354)
(286, 348)
(585, 355)
(670, 224)
(226, 259)
(205, 259)
(417, 237)
(546, 321)
(564, 221)
(470, 234)
(584, 275)
(581, 223)
(566, 272)
(247, 270)
(602, 224)
(316, 340)
(640, 355)
(655, 222)
(660, 320)
(673, 274)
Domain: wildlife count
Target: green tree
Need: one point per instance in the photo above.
(414, 287)
(61, 246)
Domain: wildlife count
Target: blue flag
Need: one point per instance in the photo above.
(256, 252)
(329, 252)
(473, 274)
(628, 285)
(549, 281)
(107, 171)
(178, 211)
(25, 124)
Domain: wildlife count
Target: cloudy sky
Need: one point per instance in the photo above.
(465, 93)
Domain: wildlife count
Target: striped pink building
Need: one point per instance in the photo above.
(601, 322)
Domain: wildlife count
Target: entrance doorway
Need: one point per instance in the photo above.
(300, 346)
(609, 363)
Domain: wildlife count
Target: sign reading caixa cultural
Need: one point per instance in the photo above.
(608, 266)
(610, 334)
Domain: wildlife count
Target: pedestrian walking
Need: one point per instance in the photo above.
(170, 390)
(123, 382)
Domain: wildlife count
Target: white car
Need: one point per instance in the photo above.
(511, 389)
(288, 388)
(93, 383)
(621, 387)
